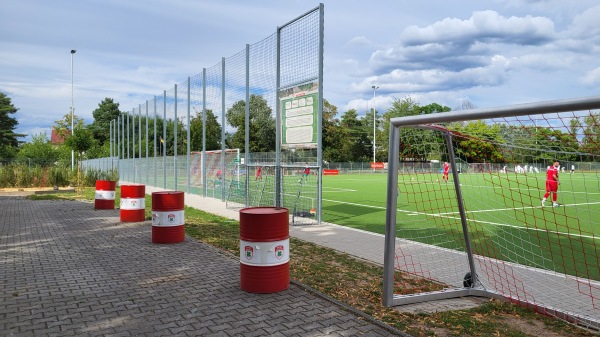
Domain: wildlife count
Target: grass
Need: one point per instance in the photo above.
(358, 284)
(506, 220)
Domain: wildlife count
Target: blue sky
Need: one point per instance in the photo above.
(487, 52)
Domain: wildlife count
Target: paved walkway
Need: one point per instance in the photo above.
(69, 270)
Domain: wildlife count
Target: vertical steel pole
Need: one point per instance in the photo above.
(164, 143)
(128, 146)
(140, 142)
(119, 146)
(461, 209)
(389, 257)
(175, 127)
(147, 141)
(156, 145)
(278, 122)
(110, 141)
(133, 144)
(187, 157)
(222, 129)
(247, 128)
(203, 164)
(320, 116)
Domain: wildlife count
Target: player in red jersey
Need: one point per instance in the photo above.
(446, 170)
(258, 174)
(552, 184)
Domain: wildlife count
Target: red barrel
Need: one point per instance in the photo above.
(168, 217)
(133, 203)
(264, 249)
(105, 194)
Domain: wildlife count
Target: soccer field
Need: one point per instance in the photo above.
(505, 216)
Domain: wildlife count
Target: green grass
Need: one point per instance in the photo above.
(506, 220)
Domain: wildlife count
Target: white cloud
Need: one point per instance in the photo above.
(591, 78)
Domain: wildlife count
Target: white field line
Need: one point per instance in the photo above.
(336, 189)
(445, 215)
(517, 208)
(503, 187)
(520, 227)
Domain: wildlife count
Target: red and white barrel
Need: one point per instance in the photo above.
(133, 203)
(168, 217)
(105, 194)
(264, 249)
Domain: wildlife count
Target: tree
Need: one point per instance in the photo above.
(358, 142)
(478, 142)
(419, 150)
(63, 126)
(8, 138)
(39, 150)
(335, 137)
(213, 132)
(591, 135)
(262, 125)
(106, 112)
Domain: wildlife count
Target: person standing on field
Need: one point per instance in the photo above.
(552, 184)
(446, 170)
(258, 174)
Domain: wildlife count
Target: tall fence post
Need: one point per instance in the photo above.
(164, 139)
(222, 164)
(203, 164)
(147, 141)
(187, 158)
(140, 142)
(156, 145)
(278, 122)
(175, 127)
(247, 128)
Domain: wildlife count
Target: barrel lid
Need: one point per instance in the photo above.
(264, 210)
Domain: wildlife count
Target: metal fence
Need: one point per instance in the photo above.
(209, 113)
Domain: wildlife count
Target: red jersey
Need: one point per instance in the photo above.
(446, 167)
(552, 171)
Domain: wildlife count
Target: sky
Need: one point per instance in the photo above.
(487, 53)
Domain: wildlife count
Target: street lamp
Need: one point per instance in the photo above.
(73, 51)
(374, 124)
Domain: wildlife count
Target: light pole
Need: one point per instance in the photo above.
(73, 51)
(374, 124)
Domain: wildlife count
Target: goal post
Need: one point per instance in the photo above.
(482, 229)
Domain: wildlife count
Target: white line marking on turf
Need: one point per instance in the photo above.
(516, 208)
(521, 227)
(443, 215)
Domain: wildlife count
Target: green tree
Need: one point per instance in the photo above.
(478, 142)
(39, 150)
(358, 142)
(8, 138)
(427, 145)
(591, 136)
(213, 132)
(63, 126)
(262, 125)
(107, 111)
(335, 137)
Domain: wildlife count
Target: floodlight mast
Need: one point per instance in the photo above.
(374, 87)
(73, 51)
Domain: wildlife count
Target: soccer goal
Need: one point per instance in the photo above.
(484, 230)
(213, 171)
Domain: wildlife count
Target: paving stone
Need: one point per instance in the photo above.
(69, 270)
